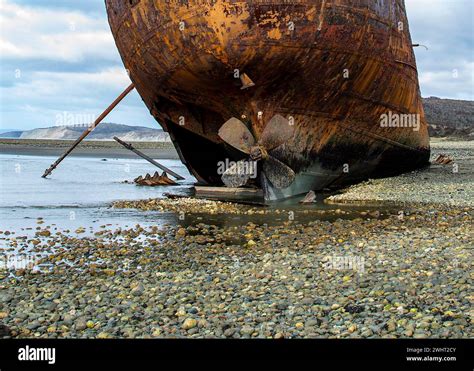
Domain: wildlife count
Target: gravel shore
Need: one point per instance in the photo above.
(403, 271)
(406, 275)
(451, 184)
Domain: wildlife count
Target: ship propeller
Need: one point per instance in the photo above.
(277, 131)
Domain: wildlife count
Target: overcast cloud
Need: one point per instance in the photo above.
(59, 55)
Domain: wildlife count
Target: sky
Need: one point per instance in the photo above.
(59, 63)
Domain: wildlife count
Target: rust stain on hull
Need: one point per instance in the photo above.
(335, 67)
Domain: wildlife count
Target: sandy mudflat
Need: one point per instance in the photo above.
(451, 184)
(105, 149)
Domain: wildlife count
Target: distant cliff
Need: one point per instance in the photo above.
(450, 118)
(105, 131)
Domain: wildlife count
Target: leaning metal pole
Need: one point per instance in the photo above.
(90, 129)
(149, 159)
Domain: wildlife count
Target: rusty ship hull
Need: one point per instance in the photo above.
(333, 67)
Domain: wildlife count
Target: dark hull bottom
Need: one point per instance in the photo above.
(319, 178)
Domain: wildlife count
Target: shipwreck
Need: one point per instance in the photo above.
(318, 93)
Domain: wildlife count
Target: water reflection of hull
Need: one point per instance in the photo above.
(334, 67)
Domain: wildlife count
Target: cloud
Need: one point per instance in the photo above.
(53, 34)
(458, 79)
(67, 87)
(85, 6)
(447, 29)
(48, 94)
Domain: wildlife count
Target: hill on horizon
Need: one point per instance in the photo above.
(105, 131)
(449, 117)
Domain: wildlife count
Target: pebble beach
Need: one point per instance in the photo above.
(399, 272)
(451, 184)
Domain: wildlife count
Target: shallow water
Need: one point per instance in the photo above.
(79, 193)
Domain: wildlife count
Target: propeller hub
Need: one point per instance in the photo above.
(258, 153)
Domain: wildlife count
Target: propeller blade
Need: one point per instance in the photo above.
(237, 175)
(277, 132)
(235, 133)
(279, 174)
